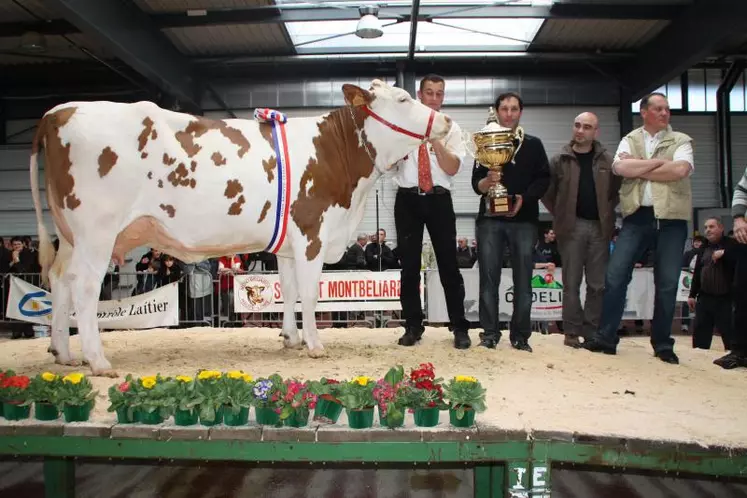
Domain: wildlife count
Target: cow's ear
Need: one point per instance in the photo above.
(356, 96)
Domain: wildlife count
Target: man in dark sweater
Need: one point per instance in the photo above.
(527, 178)
(710, 292)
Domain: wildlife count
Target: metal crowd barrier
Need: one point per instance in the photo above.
(205, 301)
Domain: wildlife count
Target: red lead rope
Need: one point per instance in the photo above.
(399, 129)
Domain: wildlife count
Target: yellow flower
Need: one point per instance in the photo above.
(184, 378)
(247, 378)
(362, 380)
(209, 374)
(148, 382)
(235, 374)
(73, 378)
(49, 376)
(465, 378)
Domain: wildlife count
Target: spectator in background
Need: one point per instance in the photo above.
(688, 263)
(383, 261)
(227, 267)
(355, 257)
(466, 257)
(169, 272)
(5, 257)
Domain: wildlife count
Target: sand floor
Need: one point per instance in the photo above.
(555, 388)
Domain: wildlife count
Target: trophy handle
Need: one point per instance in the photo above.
(519, 135)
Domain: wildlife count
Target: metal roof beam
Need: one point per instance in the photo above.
(273, 14)
(128, 33)
(689, 39)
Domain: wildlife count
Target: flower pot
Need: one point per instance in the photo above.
(299, 418)
(328, 409)
(468, 420)
(385, 422)
(14, 411)
(360, 419)
(45, 411)
(217, 420)
(150, 418)
(426, 417)
(234, 419)
(186, 417)
(266, 416)
(77, 413)
(127, 415)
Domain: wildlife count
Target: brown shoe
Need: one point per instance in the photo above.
(572, 341)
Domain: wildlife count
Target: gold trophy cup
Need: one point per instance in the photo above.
(495, 146)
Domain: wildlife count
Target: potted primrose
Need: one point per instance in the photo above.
(426, 396)
(44, 391)
(266, 393)
(123, 400)
(328, 405)
(391, 395)
(238, 390)
(359, 402)
(295, 403)
(466, 397)
(76, 397)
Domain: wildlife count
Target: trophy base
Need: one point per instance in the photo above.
(499, 206)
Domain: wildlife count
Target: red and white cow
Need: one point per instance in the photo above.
(120, 176)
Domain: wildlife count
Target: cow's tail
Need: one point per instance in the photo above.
(47, 251)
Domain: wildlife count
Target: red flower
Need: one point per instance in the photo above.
(124, 387)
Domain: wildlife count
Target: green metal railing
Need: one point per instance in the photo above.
(505, 463)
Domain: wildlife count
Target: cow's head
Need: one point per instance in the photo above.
(254, 293)
(397, 124)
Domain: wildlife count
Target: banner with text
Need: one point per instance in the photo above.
(338, 291)
(547, 295)
(157, 308)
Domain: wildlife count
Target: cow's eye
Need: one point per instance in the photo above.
(402, 100)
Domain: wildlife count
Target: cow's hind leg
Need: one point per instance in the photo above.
(87, 269)
(287, 273)
(308, 274)
(61, 303)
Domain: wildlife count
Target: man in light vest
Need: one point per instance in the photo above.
(656, 203)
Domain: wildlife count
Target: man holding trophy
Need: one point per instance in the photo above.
(511, 173)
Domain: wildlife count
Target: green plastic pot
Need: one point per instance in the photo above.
(267, 416)
(46, 411)
(235, 419)
(426, 417)
(385, 422)
(77, 413)
(360, 419)
(152, 418)
(14, 411)
(127, 415)
(468, 420)
(186, 417)
(328, 409)
(299, 418)
(217, 420)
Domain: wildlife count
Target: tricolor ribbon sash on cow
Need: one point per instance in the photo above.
(277, 120)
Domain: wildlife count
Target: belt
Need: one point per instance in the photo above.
(437, 190)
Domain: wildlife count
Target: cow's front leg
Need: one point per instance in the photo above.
(308, 274)
(287, 272)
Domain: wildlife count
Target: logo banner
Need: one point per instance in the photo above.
(547, 295)
(338, 291)
(157, 308)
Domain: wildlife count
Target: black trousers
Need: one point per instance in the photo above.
(413, 212)
(712, 311)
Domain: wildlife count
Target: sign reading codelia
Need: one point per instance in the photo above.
(338, 291)
(157, 308)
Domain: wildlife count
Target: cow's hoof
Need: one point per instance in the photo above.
(112, 374)
(72, 362)
(317, 352)
(289, 344)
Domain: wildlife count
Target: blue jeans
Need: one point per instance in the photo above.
(639, 231)
(492, 236)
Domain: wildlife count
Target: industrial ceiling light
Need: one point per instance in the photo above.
(369, 25)
(33, 42)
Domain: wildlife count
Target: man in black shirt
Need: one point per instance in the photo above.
(526, 178)
(710, 293)
(582, 197)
